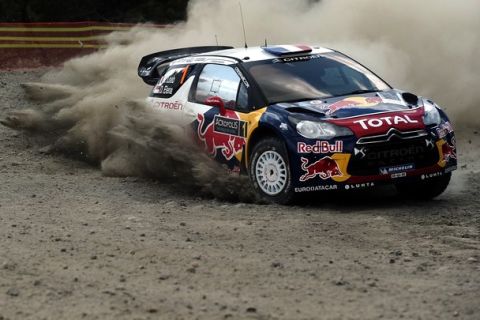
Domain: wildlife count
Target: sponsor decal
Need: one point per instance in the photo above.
(382, 121)
(297, 59)
(409, 151)
(431, 175)
(242, 77)
(448, 152)
(177, 105)
(391, 98)
(230, 126)
(325, 168)
(353, 102)
(163, 89)
(317, 188)
(398, 175)
(170, 79)
(397, 169)
(359, 185)
(229, 140)
(320, 147)
(444, 129)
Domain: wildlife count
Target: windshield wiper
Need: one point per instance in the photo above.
(360, 91)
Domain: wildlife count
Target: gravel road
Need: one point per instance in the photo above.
(79, 245)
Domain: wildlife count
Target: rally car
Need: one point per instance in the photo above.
(300, 118)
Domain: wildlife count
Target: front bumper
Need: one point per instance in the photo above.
(368, 162)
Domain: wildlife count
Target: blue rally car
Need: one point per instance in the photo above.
(300, 118)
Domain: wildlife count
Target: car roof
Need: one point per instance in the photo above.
(255, 53)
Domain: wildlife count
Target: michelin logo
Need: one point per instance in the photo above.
(397, 169)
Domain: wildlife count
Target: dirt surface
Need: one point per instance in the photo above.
(78, 245)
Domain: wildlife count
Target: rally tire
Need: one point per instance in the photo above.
(269, 171)
(424, 189)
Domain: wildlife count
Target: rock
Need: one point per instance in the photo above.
(251, 310)
(13, 292)
(340, 282)
(472, 260)
(152, 310)
(10, 266)
(277, 265)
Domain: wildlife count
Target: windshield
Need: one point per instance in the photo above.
(312, 77)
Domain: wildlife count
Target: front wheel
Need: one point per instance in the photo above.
(424, 189)
(270, 171)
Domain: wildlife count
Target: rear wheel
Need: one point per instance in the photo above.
(270, 171)
(424, 189)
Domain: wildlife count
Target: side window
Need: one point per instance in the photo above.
(221, 81)
(171, 81)
(242, 99)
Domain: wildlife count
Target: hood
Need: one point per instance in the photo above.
(366, 114)
(354, 105)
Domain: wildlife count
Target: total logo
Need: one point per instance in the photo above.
(320, 147)
(382, 121)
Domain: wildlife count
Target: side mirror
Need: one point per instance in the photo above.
(216, 101)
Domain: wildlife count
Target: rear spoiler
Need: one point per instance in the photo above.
(147, 69)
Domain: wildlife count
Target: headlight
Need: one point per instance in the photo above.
(432, 116)
(324, 130)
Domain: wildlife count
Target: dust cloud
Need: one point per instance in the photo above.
(94, 105)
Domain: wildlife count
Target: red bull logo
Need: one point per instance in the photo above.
(325, 168)
(353, 102)
(448, 152)
(223, 133)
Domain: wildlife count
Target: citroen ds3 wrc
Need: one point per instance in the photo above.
(299, 119)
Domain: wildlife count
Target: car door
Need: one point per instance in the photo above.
(217, 101)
